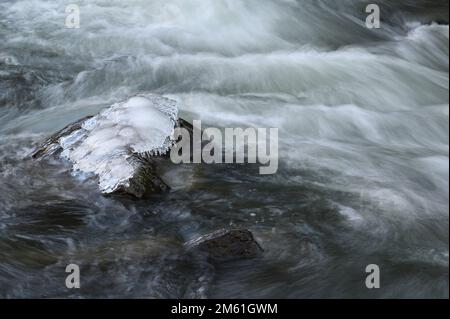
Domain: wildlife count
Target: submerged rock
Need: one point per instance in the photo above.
(226, 244)
(120, 145)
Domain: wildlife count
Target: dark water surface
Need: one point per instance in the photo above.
(363, 127)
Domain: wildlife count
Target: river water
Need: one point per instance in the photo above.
(363, 122)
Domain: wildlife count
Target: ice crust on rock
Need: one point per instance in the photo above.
(106, 143)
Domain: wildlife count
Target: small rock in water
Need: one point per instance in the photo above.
(226, 244)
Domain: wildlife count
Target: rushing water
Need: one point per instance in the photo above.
(363, 127)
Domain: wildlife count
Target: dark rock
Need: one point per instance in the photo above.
(226, 244)
(145, 181)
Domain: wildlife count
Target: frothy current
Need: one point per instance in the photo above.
(363, 120)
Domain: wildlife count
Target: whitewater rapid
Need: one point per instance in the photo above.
(363, 127)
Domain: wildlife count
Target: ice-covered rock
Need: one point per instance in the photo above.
(119, 144)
